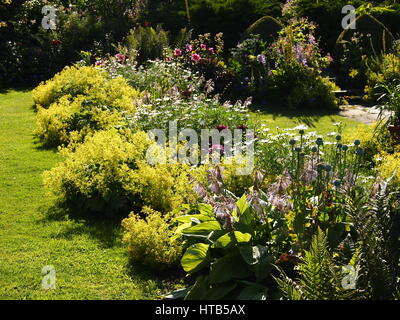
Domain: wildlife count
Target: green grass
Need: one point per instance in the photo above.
(319, 121)
(89, 258)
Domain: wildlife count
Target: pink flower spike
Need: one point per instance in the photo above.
(196, 57)
(211, 50)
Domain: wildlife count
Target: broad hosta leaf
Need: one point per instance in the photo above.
(196, 218)
(228, 267)
(220, 291)
(252, 254)
(199, 290)
(242, 205)
(203, 229)
(242, 237)
(177, 294)
(253, 292)
(264, 267)
(195, 257)
(224, 241)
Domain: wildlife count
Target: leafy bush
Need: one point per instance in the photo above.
(226, 253)
(288, 72)
(374, 140)
(389, 166)
(320, 277)
(89, 104)
(382, 71)
(72, 81)
(159, 78)
(30, 54)
(203, 55)
(303, 88)
(151, 240)
(108, 173)
(148, 42)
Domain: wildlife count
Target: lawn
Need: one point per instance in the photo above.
(322, 122)
(89, 258)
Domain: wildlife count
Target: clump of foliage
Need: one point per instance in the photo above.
(149, 43)
(158, 78)
(320, 277)
(388, 166)
(296, 70)
(376, 223)
(109, 174)
(203, 55)
(287, 72)
(72, 81)
(151, 240)
(382, 71)
(79, 101)
(227, 255)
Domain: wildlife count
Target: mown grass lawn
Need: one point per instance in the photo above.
(89, 258)
(320, 121)
(88, 255)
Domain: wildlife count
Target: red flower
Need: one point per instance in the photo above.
(56, 42)
(222, 127)
(243, 127)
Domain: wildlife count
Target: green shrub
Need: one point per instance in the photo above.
(108, 173)
(151, 240)
(382, 71)
(267, 27)
(148, 42)
(389, 166)
(102, 107)
(374, 141)
(72, 81)
(297, 86)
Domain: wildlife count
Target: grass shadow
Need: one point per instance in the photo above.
(300, 116)
(40, 146)
(106, 230)
(153, 281)
(16, 88)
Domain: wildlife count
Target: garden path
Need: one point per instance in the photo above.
(363, 114)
